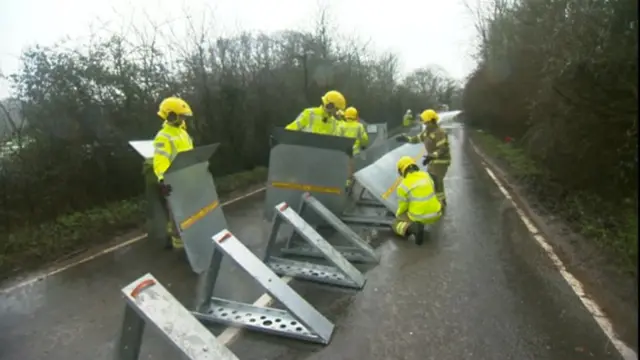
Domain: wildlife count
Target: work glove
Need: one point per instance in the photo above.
(427, 159)
(165, 189)
(402, 139)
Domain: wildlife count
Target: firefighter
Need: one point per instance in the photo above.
(418, 204)
(407, 120)
(321, 119)
(436, 143)
(170, 140)
(352, 128)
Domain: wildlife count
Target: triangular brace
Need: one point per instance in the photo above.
(300, 320)
(341, 273)
(357, 249)
(148, 302)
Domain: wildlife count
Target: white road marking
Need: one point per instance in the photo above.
(593, 308)
(103, 252)
(231, 334)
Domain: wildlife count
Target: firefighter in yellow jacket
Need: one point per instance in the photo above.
(321, 120)
(170, 140)
(418, 204)
(436, 143)
(352, 128)
(407, 120)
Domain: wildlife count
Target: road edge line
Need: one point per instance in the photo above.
(108, 250)
(536, 232)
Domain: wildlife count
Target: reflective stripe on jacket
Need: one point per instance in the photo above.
(417, 198)
(311, 120)
(354, 130)
(436, 142)
(169, 141)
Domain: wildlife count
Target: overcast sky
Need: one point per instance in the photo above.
(421, 32)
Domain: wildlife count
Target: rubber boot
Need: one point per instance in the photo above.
(415, 233)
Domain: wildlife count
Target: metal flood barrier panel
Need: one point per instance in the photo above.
(194, 204)
(373, 153)
(381, 177)
(156, 221)
(377, 132)
(149, 303)
(339, 271)
(298, 320)
(303, 162)
(355, 249)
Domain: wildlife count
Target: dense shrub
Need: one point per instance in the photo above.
(82, 104)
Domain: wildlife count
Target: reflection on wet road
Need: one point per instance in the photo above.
(480, 288)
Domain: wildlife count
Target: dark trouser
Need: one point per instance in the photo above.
(438, 172)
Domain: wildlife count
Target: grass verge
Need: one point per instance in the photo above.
(33, 247)
(612, 226)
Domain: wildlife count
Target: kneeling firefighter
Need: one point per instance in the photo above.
(353, 129)
(418, 204)
(322, 119)
(169, 141)
(436, 143)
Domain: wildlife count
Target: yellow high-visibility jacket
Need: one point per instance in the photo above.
(407, 120)
(311, 120)
(436, 142)
(354, 130)
(417, 198)
(169, 141)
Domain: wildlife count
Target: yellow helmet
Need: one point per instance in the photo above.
(351, 113)
(404, 163)
(174, 105)
(429, 115)
(335, 98)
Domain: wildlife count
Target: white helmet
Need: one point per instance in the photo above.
(409, 111)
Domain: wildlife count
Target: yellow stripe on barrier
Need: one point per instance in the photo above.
(393, 187)
(199, 215)
(307, 188)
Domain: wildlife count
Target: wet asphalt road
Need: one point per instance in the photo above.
(480, 288)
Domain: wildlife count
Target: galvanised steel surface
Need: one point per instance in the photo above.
(303, 162)
(298, 320)
(356, 249)
(194, 204)
(339, 271)
(156, 222)
(149, 303)
(381, 178)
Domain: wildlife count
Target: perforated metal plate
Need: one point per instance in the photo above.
(313, 326)
(357, 249)
(351, 276)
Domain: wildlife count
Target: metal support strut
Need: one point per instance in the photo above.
(357, 250)
(341, 272)
(298, 320)
(148, 302)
